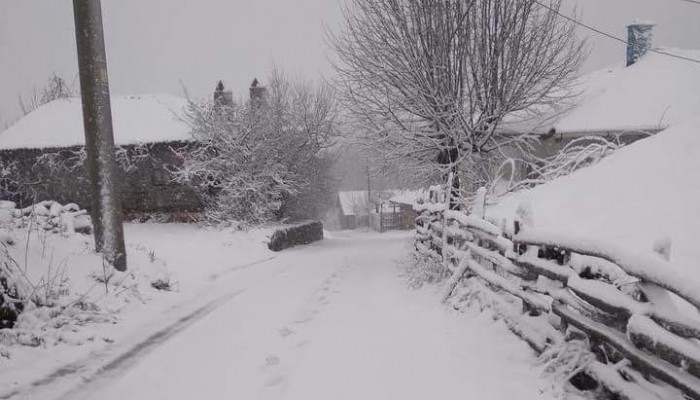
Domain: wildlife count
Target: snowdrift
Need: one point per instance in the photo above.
(656, 92)
(646, 191)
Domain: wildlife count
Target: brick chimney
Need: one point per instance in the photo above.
(256, 91)
(639, 35)
(222, 97)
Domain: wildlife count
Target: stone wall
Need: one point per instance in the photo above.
(302, 233)
(31, 175)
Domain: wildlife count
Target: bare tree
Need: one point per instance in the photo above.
(431, 82)
(55, 88)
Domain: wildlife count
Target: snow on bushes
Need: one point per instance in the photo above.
(265, 159)
(17, 293)
(13, 290)
(53, 286)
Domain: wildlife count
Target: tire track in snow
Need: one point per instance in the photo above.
(86, 373)
(78, 378)
(137, 352)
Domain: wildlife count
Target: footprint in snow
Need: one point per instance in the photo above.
(303, 320)
(274, 381)
(284, 332)
(272, 361)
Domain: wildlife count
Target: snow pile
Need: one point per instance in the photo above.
(48, 215)
(655, 92)
(643, 192)
(136, 119)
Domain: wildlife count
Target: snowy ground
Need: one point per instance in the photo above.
(333, 320)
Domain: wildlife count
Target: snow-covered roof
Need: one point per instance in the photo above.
(654, 93)
(407, 197)
(353, 202)
(136, 119)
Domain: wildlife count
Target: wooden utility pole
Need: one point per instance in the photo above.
(369, 200)
(99, 139)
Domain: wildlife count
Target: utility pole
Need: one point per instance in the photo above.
(106, 207)
(369, 201)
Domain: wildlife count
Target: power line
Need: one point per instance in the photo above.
(610, 36)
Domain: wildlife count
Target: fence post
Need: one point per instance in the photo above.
(448, 192)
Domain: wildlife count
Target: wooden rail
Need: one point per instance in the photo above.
(652, 351)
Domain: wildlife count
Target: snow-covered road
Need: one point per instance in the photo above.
(333, 320)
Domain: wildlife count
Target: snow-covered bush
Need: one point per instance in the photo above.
(578, 153)
(422, 269)
(53, 301)
(17, 291)
(263, 159)
(14, 289)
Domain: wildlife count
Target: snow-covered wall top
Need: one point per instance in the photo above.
(136, 119)
(654, 93)
(645, 191)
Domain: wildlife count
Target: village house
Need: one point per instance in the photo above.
(352, 209)
(387, 210)
(653, 89)
(42, 154)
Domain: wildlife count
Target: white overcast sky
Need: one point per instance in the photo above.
(153, 45)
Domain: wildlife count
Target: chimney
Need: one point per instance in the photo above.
(256, 92)
(222, 97)
(639, 35)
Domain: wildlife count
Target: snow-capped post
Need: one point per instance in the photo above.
(479, 208)
(99, 141)
(525, 219)
(657, 295)
(448, 201)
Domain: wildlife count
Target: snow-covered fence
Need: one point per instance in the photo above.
(553, 289)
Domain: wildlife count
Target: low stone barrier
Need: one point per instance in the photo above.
(303, 233)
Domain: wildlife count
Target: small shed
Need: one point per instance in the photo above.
(396, 212)
(353, 208)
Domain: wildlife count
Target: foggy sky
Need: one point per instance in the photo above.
(160, 45)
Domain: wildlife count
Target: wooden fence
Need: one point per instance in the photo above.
(551, 289)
